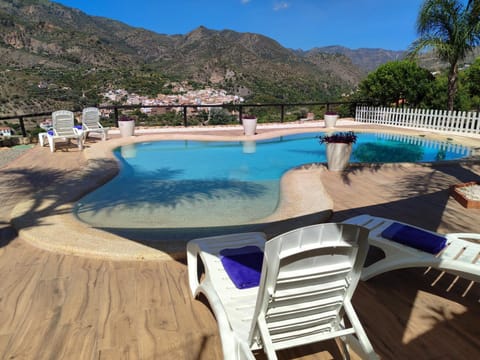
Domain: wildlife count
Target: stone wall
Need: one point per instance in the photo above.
(8, 141)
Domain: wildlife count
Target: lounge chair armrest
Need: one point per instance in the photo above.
(464, 236)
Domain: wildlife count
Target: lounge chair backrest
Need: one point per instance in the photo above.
(63, 123)
(307, 276)
(91, 118)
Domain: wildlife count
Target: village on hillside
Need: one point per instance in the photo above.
(182, 96)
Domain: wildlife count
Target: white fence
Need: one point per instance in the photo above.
(439, 120)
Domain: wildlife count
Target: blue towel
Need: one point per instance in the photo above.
(416, 238)
(50, 132)
(243, 265)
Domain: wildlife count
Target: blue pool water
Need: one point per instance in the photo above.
(197, 184)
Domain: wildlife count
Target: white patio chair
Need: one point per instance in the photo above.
(63, 129)
(91, 123)
(415, 247)
(300, 296)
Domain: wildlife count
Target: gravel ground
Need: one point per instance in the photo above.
(471, 192)
(7, 155)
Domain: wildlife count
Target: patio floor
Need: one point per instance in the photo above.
(59, 306)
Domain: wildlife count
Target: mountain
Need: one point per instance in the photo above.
(55, 56)
(366, 59)
(370, 59)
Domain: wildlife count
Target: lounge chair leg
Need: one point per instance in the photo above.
(51, 143)
(343, 348)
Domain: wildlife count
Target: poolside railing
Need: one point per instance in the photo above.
(277, 112)
(439, 120)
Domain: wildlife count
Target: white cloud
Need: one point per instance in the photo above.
(245, 1)
(282, 5)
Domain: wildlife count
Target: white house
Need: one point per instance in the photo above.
(6, 131)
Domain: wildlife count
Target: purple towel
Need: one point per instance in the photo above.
(50, 132)
(243, 265)
(416, 238)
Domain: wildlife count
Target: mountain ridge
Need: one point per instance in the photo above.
(76, 56)
(368, 59)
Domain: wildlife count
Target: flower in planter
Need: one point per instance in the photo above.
(331, 113)
(249, 117)
(126, 118)
(347, 137)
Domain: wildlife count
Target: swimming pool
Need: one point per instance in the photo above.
(173, 185)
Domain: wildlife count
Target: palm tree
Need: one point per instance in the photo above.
(452, 30)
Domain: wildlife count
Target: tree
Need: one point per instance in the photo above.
(397, 81)
(436, 98)
(452, 30)
(473, 82)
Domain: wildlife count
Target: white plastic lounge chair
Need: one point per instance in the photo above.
(63, 128)
(300, 296)
(450, 253)
(91, 122)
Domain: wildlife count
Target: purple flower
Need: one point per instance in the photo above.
(347, 137)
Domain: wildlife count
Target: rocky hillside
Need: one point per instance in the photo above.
(58, 56)
(365, 59)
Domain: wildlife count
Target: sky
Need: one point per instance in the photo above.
(295, 24)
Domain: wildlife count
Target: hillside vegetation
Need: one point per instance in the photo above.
(58, 57)
(55, 56)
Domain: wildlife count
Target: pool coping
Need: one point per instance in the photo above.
(298, 205)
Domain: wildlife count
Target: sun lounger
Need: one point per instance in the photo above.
(63, 128)
(290, 291)
(407, 246)
(91, 123)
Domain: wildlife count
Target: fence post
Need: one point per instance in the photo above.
(240, 113)
(460, 123)
(115, 115)
(22, 126)
(184, 116)
(415, 118)
(468, 122)
(282, 112)
(446, 120)
(424, 120)
(428, 120)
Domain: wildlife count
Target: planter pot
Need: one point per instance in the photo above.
(249, 126)
(338, 155)
(127, 128)
(330, 120)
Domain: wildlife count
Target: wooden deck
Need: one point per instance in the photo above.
(55, 306)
